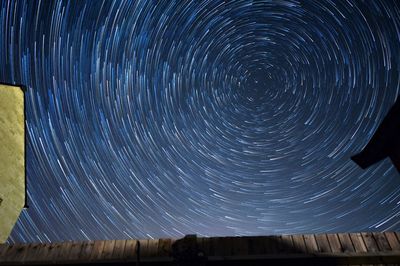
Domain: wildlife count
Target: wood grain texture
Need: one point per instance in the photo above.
(97, 250)
(31, 252)
(53, 251)
(76, 248)
(370, 242)
(358, 242)
(130, 250)
(287, 245)
(7, 251)
(392, 240)
(118, 249)
(86, 251)
(346, 243)
(42, 252)
(334, 243)
(108, 250)
(382, 242)
(311, 243)
(164, 246)
(16, 253)
(353, 248)
(299, 244)
(278, 245)
(152, 247)
(64, 251)
(322, 243)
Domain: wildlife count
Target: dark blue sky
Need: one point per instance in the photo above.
(164, 118)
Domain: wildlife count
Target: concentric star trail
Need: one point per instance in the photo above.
(164, 118)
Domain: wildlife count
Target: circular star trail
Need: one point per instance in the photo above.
(164, 118)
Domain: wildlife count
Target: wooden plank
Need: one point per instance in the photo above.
(63, 253)
(108, 250)
(358, 242)
(381, 241)
(48, 251)
(287, 245)
(208, 246)
(97, 250)
(280, 245)
(52, 251)
(272, 244)
(370, 242)
(360, 245)
(152, 247)
(299, 244)
(199, 243)
(311, 243)
(240, 246)
(229, 243)
(393, 241)
(162, 251)
(164, 247)
(397, 235)
(218, 246)
(86, 251)
(130, 250)
(144, 251)
(76, 248)
(118, 250)
(7, 251)
(221, 246)
(41, 254)
(16, 254)
(322, 243)
(24, 252)
(31, 252)
(256, 245)
(204, 245)
(3, 248)
(334, 243)
(212, 245)
(173, 240)
(345, 242)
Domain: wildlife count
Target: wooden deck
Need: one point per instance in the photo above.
(325, 249)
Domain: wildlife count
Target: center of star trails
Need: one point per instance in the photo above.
(256, 88)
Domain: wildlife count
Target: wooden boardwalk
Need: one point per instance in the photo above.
(310, 249)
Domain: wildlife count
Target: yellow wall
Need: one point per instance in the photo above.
(12, 158)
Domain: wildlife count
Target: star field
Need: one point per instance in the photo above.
(151, 119)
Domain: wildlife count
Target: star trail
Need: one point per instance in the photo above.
(151, 119)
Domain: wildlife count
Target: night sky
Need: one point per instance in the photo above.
(153, 119)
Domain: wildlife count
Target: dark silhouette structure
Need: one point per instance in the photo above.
(384, 143)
